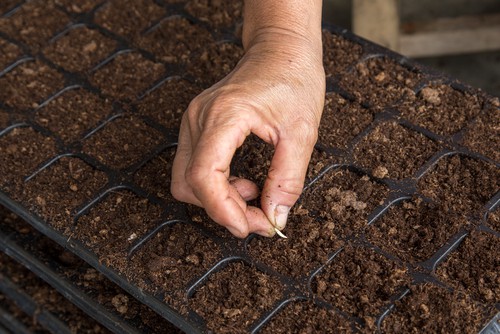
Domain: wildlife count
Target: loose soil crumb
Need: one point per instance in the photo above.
(441, 109)
(360, 281)
(414, 230)
(10, 52)
(218, 14)
(235, 297)
(473, 267)
(432, 309)
(484, 134)
(339, 54)
(461, 184)
(394, 151)
(80, 49)
(494, 220)
(342, 120)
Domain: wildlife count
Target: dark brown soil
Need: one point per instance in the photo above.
(342, 200)
(9, 306)
(342, 120)
(306, 317)
(174, 257)
(73, 113)
(393, 151)
(175, 40)
(167, 103)
(77, 6)
(441, 109)
(34, 23)
(218, 14)
(4, 119)
(484, 134)
(414, 230)
(199, 216)
(339, 54)
(127, 75)
(473, 267)
(122, 142)
(360, 282)
(494, 220)
(10, 52)
(235, 297)
(29, 84)
(80, 49)
(380, 82)
(461, 184)
(432, 309)
(61, 188)
(7, 5)
(128, 18)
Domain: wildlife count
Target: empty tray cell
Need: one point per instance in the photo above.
(393, 151)
(414, 230)
(339, 54)
(343, 200)
(461, 184)
(219, 15)
(214, 62)
(29, 84)
(80, 49)
(34, 23)
(78, 6)
(175, 39)
(122, 142)
(307, 317)
(473, 267)
(127, 75)
(380, 82)
(21, 151)
(128, 18)
(10, 52)
(155, 175)
(441, 109)
(494, 220)
(112, 226)
(172, 259)
(235, 297)
(73, 113)
(433, 309)
(167, 103)
(360, 282)
(309, 244)
(342, 120)
(58, 190)
(483, 135)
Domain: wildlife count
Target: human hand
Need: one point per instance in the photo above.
(276, 92)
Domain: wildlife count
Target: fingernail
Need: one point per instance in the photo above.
(281, 215)
(268, 233)
(237, 232)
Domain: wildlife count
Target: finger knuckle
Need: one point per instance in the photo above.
(196, 176)
(179, 192)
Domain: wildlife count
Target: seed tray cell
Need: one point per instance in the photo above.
(87, 158)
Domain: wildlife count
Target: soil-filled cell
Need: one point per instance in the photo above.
(473, 267)
(339, 54)
(21, 151)
(342, 120)
(199, 216)
(80, 49)
(4, 119)
(34, 23)
(393, 151)
(219, 14)
(441, 109)
(308, 245)
(494, 220)
(414, 230)
(128, 18)
(29, 84)
(433, 309)
(62, 187)
(127, 75)
(77, 6)
(305, 317)
(235, 297)
(175, 39)
(73, 113)
(483, 135)
(343, 200)
(112, 226)
(122, 142)
(380, 82)
(167, 103)
(8, 5)
(360, 282)
(10, 52)
(461, 184)
(155, 175)
(174, 257)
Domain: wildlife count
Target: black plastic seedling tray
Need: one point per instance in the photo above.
(176, 308)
